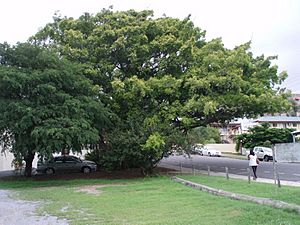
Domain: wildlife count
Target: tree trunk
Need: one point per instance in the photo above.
(28, 159)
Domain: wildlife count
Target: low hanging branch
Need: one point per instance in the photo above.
(262, 201)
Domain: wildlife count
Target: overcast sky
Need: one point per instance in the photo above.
(272, 25)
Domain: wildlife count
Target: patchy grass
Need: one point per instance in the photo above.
(155, 200)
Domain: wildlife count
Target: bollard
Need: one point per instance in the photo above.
(249, 176)
(226, 170)
(193, 170)
(208, 170)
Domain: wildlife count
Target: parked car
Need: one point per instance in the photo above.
(197, 150)
(66, 164)
(263, 153)
(210, 152)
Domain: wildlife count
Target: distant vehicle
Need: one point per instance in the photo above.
(197, 150)
(263, 153)
(66, 164)
(210, 152)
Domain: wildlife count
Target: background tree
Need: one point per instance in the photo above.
(161, 79)
(46, 104)
(294, 109)
(204, 135)
(265, 136)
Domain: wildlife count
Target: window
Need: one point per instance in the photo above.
(72, 159)
(274, 124)
(58, 159)
(294, 125)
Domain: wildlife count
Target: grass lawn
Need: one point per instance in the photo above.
(156, 200)
(285, 193)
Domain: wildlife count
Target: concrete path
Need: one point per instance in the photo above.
(261, 180)
(19, 212)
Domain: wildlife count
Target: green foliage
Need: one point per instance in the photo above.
(46, 104)
(204, 135)
(160, 76)
(264, 136)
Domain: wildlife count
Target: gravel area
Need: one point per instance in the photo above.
(19, 212)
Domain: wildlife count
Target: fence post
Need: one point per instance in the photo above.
(226, 170)
(181, 168)
(274, 165)
(249, 176)
(208, 170)
(278, 180)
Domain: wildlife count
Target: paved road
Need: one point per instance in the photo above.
(286, 171)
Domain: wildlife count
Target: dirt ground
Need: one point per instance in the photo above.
(19, 212)
(101, 174)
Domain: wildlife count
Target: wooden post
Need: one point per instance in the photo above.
(208, 170)
(180, 168)
(274, 166)
(226, 170)
(278, 180)
(249, 176)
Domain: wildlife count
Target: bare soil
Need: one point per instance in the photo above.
(19, 212)
(101, 174)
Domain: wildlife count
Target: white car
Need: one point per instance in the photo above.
(211, 152)
(263, 153)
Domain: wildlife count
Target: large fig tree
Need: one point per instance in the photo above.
(161, 78)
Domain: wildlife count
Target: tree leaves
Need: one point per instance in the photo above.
(264, 136)
(46, 107)
(159, 76)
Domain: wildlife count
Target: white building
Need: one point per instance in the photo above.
(281, 121)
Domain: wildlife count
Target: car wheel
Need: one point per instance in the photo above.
(86, 170)
(209, 154)
(49, 171)
(266, 158)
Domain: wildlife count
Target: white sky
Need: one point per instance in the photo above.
(272, 25)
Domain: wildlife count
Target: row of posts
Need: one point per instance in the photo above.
(227, 174)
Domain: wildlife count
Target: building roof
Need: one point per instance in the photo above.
(278, 119)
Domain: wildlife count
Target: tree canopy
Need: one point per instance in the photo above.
(46, 104)
(265, 136)
(160, 78)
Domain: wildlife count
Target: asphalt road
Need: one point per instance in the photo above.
(286, 171)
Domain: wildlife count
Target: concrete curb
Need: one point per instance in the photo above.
(219, 192)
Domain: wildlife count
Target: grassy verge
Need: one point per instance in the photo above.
(149, 201)
(285, 193)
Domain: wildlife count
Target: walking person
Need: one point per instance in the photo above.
(253, 162)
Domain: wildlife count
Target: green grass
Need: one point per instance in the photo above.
(155, 200)
(285, 193)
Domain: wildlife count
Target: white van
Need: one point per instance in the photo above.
(263, 153)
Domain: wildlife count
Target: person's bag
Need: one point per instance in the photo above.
(257, 161)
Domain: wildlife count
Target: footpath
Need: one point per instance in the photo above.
(178, 170)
